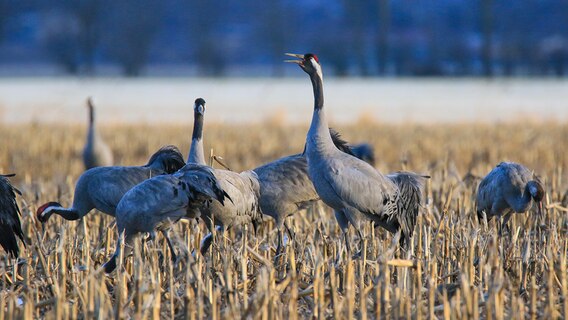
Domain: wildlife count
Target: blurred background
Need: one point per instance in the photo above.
(64, 50)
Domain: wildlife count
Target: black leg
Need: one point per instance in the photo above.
(505, 221)
(206, 243)
(278, 246)
(170, 245)
(359, 253)
(291, 233)
(110, 265)
(347, 245)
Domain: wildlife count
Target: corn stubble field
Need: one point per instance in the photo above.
(457, 267)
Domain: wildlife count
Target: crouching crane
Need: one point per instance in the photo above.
(157, 203)
(509, 188)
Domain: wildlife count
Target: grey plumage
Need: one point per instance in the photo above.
(508, 188)
(10, 227)
(242, 188)
(403, 209)
(285, 187)
(354, 189)
(157, 203)
(103, 187)
(96, 152)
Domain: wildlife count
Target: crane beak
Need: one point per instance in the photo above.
(295, 55)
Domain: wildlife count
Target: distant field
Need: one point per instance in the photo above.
(456, 268)
(168, 100)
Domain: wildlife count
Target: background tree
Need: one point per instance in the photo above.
(135, 23)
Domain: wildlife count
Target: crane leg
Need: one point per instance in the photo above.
(291, 233)
(344, 226)
(207, 241)
(279, 247)
(359, 253)
(347, 245)
(111, 264)
(506, 221)
(170, 246)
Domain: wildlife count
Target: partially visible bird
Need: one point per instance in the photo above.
(242, 188)
(103, 187)
(157, 203)
(365, 152)
(509, 188)
(96, 152)
(10, 226)
(354, 189)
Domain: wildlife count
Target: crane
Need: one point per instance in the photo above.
(509, 188)
(96, 152)
(157, 203)
(102, 188)
(354, 189)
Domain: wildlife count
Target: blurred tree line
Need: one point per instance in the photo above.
(248, 37)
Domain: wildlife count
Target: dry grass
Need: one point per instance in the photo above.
(457, 268)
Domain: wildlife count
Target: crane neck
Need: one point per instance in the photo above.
(319, 139)
(91, 115)
(317, 85)
(91, 130)
(196, 154)
(524, 202)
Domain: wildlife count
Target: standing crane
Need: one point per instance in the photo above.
(96, 152)
(157, 203)
(10, 226)
(509, 188)
(102, 188)
(354, 189)
(285, 187)
(242, 188)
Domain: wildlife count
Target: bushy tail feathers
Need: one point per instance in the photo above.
(411, 188)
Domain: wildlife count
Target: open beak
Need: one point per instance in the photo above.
(295, 55)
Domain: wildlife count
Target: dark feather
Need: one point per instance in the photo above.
(408, 201)
(339, 142)
(168, 158)
(10, 226)
(365, 152)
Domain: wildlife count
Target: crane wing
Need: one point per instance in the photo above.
(359, 185)
(201, 180)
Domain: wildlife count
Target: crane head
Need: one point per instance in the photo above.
(44, 211)
(537, 193)
(309, 62)
(536, 190)
(199, 106)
